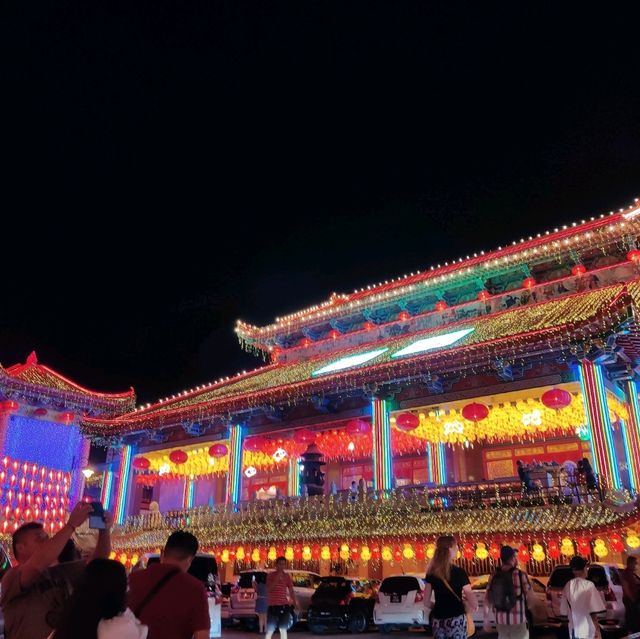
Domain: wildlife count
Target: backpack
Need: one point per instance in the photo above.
(502, 594)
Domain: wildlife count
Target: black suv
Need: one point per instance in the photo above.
(342, 603)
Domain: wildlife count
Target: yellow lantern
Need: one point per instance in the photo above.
(325, 553)
(599, 548)
(134, 559)
(481, 551)
(344, 552)
(538, 552)
(431, 551)
(407, 552)
(112, 554)
(224, 557)
(240, 553)
(365, 553)
(633, 541)
(306, 553)
(386, 553)
(255, 555)
(566, 547)
(288, 553)
(123, 558)
(272, 555)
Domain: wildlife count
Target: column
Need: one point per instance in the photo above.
(597, 412)
(234, 476)
(631, 435)
(77, 477)
(381, 431)
(107, 488)
(189, 493)
(124, 484)
(437, 463)
(294, 477)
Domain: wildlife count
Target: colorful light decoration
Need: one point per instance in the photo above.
(595, 399)
(293, 479)
(440, 306)
(349, 362)
(188, 493)
(578, 270)
(431, 343)
(122, 490)
(631, 435)
(436, 464)
(234, 478)
(381, 429)
(279, 455)
(107, 486)
(634, 256)
(529, 282)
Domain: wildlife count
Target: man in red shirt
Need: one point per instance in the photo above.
(167, 599)
(281, 600)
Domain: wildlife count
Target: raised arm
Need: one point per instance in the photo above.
(48, 551)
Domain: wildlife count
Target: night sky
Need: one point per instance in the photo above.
(171, 167)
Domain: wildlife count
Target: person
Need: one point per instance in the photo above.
(362, 486)
(353, 491)
(508, 592)
(260, 586)
(281, 600)
(631, 594)
(524, 476)
(172, 603)
(98, 607)
(452, 591)
(581, 602)
(35, 591)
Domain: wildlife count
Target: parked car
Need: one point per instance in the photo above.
(204, 568)
(400, 603)
(606, 578)
(342, 603)
(536, 614)
(225, 604)
(243, 596)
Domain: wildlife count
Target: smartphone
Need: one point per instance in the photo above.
(96, 518)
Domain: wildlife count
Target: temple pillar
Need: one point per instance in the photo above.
(234, 476)
(123, 487)
(381, 453)
(599, 423)
(437, 463)
(631, 435)
(293, 477)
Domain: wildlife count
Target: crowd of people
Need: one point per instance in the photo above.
(53, 594)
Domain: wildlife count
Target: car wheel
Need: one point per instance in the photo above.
(357, 623)
(386, 628)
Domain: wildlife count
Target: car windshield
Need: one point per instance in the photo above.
(399, 585)
(598, 576)
(560, 576)
(333, 584)
(202, 567)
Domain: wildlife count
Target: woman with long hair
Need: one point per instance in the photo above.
(98, 607)
(452, 591)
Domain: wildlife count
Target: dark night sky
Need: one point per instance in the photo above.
(170, 167)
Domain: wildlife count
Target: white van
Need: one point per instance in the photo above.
(400, 603)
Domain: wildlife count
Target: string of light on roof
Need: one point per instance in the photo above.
(325, 309)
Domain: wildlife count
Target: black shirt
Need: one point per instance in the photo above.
(447, 605)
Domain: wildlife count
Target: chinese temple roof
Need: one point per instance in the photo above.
(34, 382)
(564, 327)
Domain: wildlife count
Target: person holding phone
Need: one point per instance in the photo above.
(35, 591)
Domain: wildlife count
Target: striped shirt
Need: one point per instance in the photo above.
(517, 614)
(278, 585)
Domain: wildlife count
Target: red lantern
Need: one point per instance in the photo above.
(553, 550)
(255, 444)
(615, 543)
(368, 326)
(440, 305)
(529, 282)
(305, 342)
(315, 551)
(334, 334)
(67, 418)
(584, 547)
(523, 554)
(358, 427)
(578, 270)
(494, 551)
(475, 412)
(467, 552)
(634, 255)
(355, 553)
(420, 553)
(407, 421)
(141, 463)
(304, 436)
(9, 405)
(178, 456)
(40, 412)
(556, 398)
(397, 554)
(403, 316)
(218, 450)
(375, 552)
(483, 295)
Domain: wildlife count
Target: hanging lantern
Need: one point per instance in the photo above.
(420, 553)
(255, 444)
(141, 463)
(615, 543)
(633, 540)
(440, 306)
(272, 555)
(483, 295)
(368, 326)
(8, 406)
(494, 551)
(467, 552)
(481, 551)
(354, 553)
(407, 421)
(123, 558)
(538, 552)
(240, 555)
(365, 553)
(334, 334)
(358, 427)
(255, 555)
(386, 554)
(397, 554)
(600, 549)
(306, 553)
(529, 282)
(304, 436)
(218, 450)
(224, 557)
(344, 552)
(556, 398)
(288, 553)
(578, 270)
(523, 554)
(325, 553)
(315, 551)
(475, 412)
(407, 551)
(633, 255)
(40, 412)
(584, 547)
(67, 417)
(178, 456)
(403, 316)
(553, 550)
